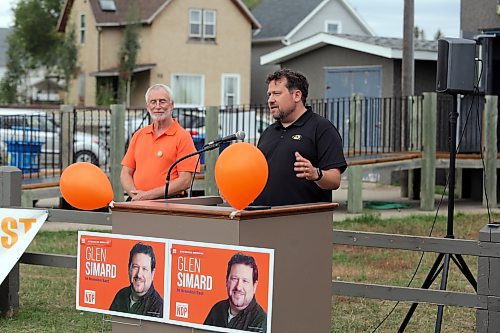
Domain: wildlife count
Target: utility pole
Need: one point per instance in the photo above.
(408, 61)
(407, 79)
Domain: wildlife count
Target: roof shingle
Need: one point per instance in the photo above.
(146, 8)
(392, 42)
(279, 17)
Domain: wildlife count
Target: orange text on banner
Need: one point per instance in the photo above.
(10, 227)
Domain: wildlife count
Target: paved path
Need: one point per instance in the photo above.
(53, 226)
(378, 192)
(371, 192)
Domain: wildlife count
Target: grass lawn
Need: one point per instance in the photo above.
(396, 267)
(47, 295)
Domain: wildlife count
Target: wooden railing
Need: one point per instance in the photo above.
(487, 249)
(487, 299)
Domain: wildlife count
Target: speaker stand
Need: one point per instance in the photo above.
(442, 262)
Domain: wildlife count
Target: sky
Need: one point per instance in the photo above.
(6, 17)
(385, 17)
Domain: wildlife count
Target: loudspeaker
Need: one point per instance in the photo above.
(456, 65)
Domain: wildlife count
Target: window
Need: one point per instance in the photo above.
(202, 23)
(333, 27)
(195, 23)
(107, 5)
(209, 23)
(82, 29)
(188, 90)
(230, 89)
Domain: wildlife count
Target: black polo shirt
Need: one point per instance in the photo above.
(317, 140)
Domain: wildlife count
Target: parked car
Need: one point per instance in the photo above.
(250, 122)
(229, 122)
(193, 120)
(23, 126)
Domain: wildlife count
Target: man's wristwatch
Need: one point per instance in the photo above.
(320, 174)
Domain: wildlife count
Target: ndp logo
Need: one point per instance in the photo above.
(181, 310)
(89, 297)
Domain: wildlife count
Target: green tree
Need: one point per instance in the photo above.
(251, 4)
(419, 33)
(16, 71)
(438, 35)
(35, 44)
(67, 57)
(128, 54)
(35, 29)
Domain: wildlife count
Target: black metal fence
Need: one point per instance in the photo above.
(375, 125)
(30, 139)
(368, 126)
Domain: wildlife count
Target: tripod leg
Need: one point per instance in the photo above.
(444, 281)
(431, 276)
(462, 265)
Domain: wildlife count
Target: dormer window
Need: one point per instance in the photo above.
(333, 27)
(202, 23)
(107, 5)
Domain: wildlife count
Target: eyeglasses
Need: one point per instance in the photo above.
(162, 102)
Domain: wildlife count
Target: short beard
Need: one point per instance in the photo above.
(159, 118)
(282, 115)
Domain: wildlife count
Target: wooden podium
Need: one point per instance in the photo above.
(301, 236)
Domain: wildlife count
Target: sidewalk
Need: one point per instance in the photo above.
(55, 226)
(371, 192)
(387, 193)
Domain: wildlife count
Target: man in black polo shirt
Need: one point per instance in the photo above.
(303, 150)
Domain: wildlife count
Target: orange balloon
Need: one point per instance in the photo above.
(241, 173)
(85, 186)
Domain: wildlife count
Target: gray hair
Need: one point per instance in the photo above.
(160, 86)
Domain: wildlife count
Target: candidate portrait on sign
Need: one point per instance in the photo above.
(140, 297)
(240, 310)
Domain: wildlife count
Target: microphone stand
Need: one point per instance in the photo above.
(205, 148)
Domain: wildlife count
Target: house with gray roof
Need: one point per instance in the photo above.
(201, 49)
(285, 22)
(339, 65)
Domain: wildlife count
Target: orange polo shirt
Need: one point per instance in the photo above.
(151, 156)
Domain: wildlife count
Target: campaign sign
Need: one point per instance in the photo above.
(18, 227)
(121, 275)
(221, 288)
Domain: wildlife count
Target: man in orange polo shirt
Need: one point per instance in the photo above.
(153, 149)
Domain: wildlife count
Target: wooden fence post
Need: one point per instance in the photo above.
(487, 284)
(67, 122)
(117, 148)
(414, 114)
(212, 132)
(428, 173)
(354, 191)
(10, 196)
(489, 146)
(355, 126)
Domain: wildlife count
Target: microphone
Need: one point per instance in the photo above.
(240, 135)
(209, 146)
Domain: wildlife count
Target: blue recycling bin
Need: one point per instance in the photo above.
(24, 154)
